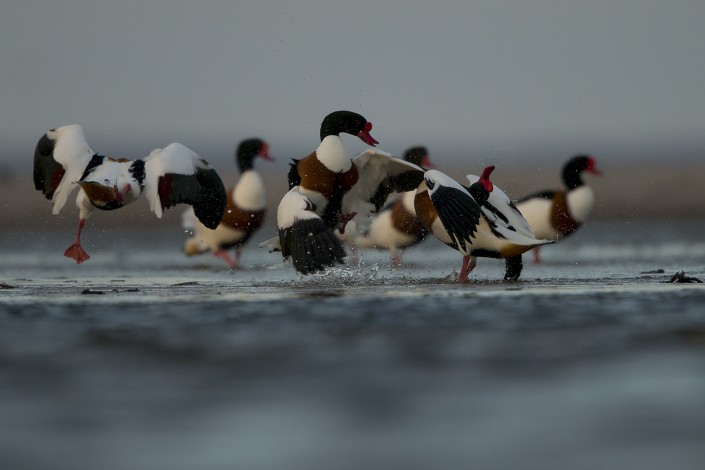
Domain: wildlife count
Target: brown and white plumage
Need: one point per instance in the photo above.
(328, 188)
(169, 176)
(557, 213)
(244, 211)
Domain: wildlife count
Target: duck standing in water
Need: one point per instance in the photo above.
(478, 221)
(554, 214)
(328, 189)
(244, 210)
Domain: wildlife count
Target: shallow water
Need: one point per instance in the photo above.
(142, 358)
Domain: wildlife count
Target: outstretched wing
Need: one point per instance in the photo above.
(458, 211)
(304, 235)
(380, 174)
(502, 212)
(60, 159)
(175, 175)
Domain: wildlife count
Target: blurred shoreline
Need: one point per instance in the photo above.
(625, 191)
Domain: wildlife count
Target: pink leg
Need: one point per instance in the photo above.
(238, 253)
(396, 258)
(537, 258)
(222, 254)
(76, 251)
(469, 263)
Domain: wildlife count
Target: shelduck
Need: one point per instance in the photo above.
(396, 226)
(328, 189)
(169, 176)
(244, 211)
(478, 221)
(557, 213)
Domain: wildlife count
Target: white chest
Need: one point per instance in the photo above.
(439, 230)
(332, 154)
(580, 202)
(249, 193)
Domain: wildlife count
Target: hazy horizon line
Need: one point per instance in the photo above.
(17, 155)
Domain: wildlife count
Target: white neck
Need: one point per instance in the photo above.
(580, 202)
(332, 154)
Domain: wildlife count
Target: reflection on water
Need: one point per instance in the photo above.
(150, 360)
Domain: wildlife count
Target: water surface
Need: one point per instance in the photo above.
(142, 358)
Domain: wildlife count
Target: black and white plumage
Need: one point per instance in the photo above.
(169, 176)
(304, 236)
(395, 226)
(478, 221)
(381, 174)
(328, 188)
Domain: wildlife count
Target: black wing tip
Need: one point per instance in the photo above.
(45, 145)
(208, 215)
(312, 245)
(399, 183)
(211, 205)
(293, 177)
(209, 212)
(44, 165)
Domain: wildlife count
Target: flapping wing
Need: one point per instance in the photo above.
(304, 235)
(459, 213)
(502, 212)
(380, 174)
(60, 159)
(175, 175)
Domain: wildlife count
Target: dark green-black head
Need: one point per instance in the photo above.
(349, 123)
(574, 168)
(418, 156)
(248, 150)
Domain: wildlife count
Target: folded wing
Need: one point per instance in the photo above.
(502, 212)
(457, 210)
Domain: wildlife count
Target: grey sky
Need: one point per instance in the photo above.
(459, 75)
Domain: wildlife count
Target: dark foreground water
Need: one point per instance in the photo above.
(143, 359)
